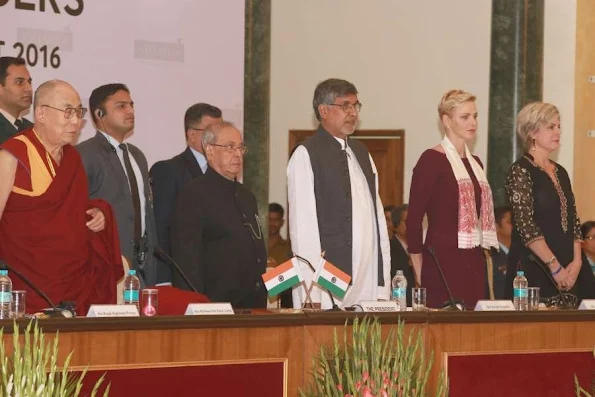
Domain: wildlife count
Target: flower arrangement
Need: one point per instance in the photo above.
(31, 368)
(369, 366)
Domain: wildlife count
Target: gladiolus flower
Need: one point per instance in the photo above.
(365, 376)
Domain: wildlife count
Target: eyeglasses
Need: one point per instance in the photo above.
(348, 106)
(197, 129)
(231, 148)
(589, 238)
(69, 112)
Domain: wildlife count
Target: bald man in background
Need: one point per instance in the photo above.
(49, 229)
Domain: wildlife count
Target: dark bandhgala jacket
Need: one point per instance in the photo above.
(217, 240)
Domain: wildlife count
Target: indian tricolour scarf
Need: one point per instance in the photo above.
(472, 231)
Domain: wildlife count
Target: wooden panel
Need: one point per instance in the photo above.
(297, 338)
(387, 148)
(584, 117)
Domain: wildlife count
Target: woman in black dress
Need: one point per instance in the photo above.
(546, 236)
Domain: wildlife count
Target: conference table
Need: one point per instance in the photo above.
(268, 353)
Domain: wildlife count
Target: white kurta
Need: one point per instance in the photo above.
(305, 237)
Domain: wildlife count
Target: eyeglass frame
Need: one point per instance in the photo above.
(231, 148)
(589, 238)
(348, 106)
(71, 111)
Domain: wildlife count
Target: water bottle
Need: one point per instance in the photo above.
(520, 286)
(5, 295)
(399, 290)
(131, 289)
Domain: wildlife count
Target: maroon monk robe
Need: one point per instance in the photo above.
(43, 231)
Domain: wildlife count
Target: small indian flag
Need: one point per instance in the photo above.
(333, 279)
(282, 277)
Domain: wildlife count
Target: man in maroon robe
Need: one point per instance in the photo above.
(50, 231)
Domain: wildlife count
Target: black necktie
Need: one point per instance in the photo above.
(134, 192)
(20, 124)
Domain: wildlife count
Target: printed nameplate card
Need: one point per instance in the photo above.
(379, 306)
(587, 304)
(208, 309)
(494, 306)
(113, 311)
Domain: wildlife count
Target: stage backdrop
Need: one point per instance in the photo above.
(170, 53)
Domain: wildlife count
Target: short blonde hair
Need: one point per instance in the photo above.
(451, 100)
(531, 117)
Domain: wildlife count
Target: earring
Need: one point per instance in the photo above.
(534, 147)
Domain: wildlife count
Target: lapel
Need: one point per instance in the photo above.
(108, 152)
(7, 130)
(191, 163)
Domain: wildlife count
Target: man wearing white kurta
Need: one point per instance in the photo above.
(334, 204)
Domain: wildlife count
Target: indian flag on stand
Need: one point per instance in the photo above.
(332, 278)
(282, 277)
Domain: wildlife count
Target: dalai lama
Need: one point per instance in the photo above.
(50, 231)
(216, 234)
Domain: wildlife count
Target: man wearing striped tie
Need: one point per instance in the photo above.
(16, 94)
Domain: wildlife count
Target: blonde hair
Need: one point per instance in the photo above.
(531, 117)
(453, 99)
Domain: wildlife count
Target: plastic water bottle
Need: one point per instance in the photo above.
(5, 294)
(520, 286)
(399, 290)
(131, 289)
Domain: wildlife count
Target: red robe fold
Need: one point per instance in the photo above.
(43, 231)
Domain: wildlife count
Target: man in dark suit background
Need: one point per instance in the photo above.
(169, 176)
(399, 257)
(118, 173)
(216, 234)
(16, 95)
(499, 258)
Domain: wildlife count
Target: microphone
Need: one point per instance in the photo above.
(64, 309)
(160, 254)
(451, 304)
(334, 306)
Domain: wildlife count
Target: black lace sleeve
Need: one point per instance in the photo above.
(577, 221)
(519, 188)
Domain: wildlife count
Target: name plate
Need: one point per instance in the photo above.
(494, 306)
(379, 306)
(113, 311)
(209, 309)
(587, 304)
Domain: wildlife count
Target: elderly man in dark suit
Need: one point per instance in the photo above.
(216, 234)
(118, 173)
(16, 95)
(169, 176)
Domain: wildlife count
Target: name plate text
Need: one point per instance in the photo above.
(209, 309)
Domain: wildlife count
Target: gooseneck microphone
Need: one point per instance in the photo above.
(65, 309)
(452, 304)
(334, 307)
(160, 254)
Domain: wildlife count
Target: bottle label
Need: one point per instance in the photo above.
(521, 293)
(5, 297)
(130, 295)
(399, 292)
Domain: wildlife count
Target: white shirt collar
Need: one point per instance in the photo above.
(343, 143)
(200, 158)
(9, 116)
(504, 248)
(113, 141)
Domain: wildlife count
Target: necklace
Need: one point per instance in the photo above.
(47, 156)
